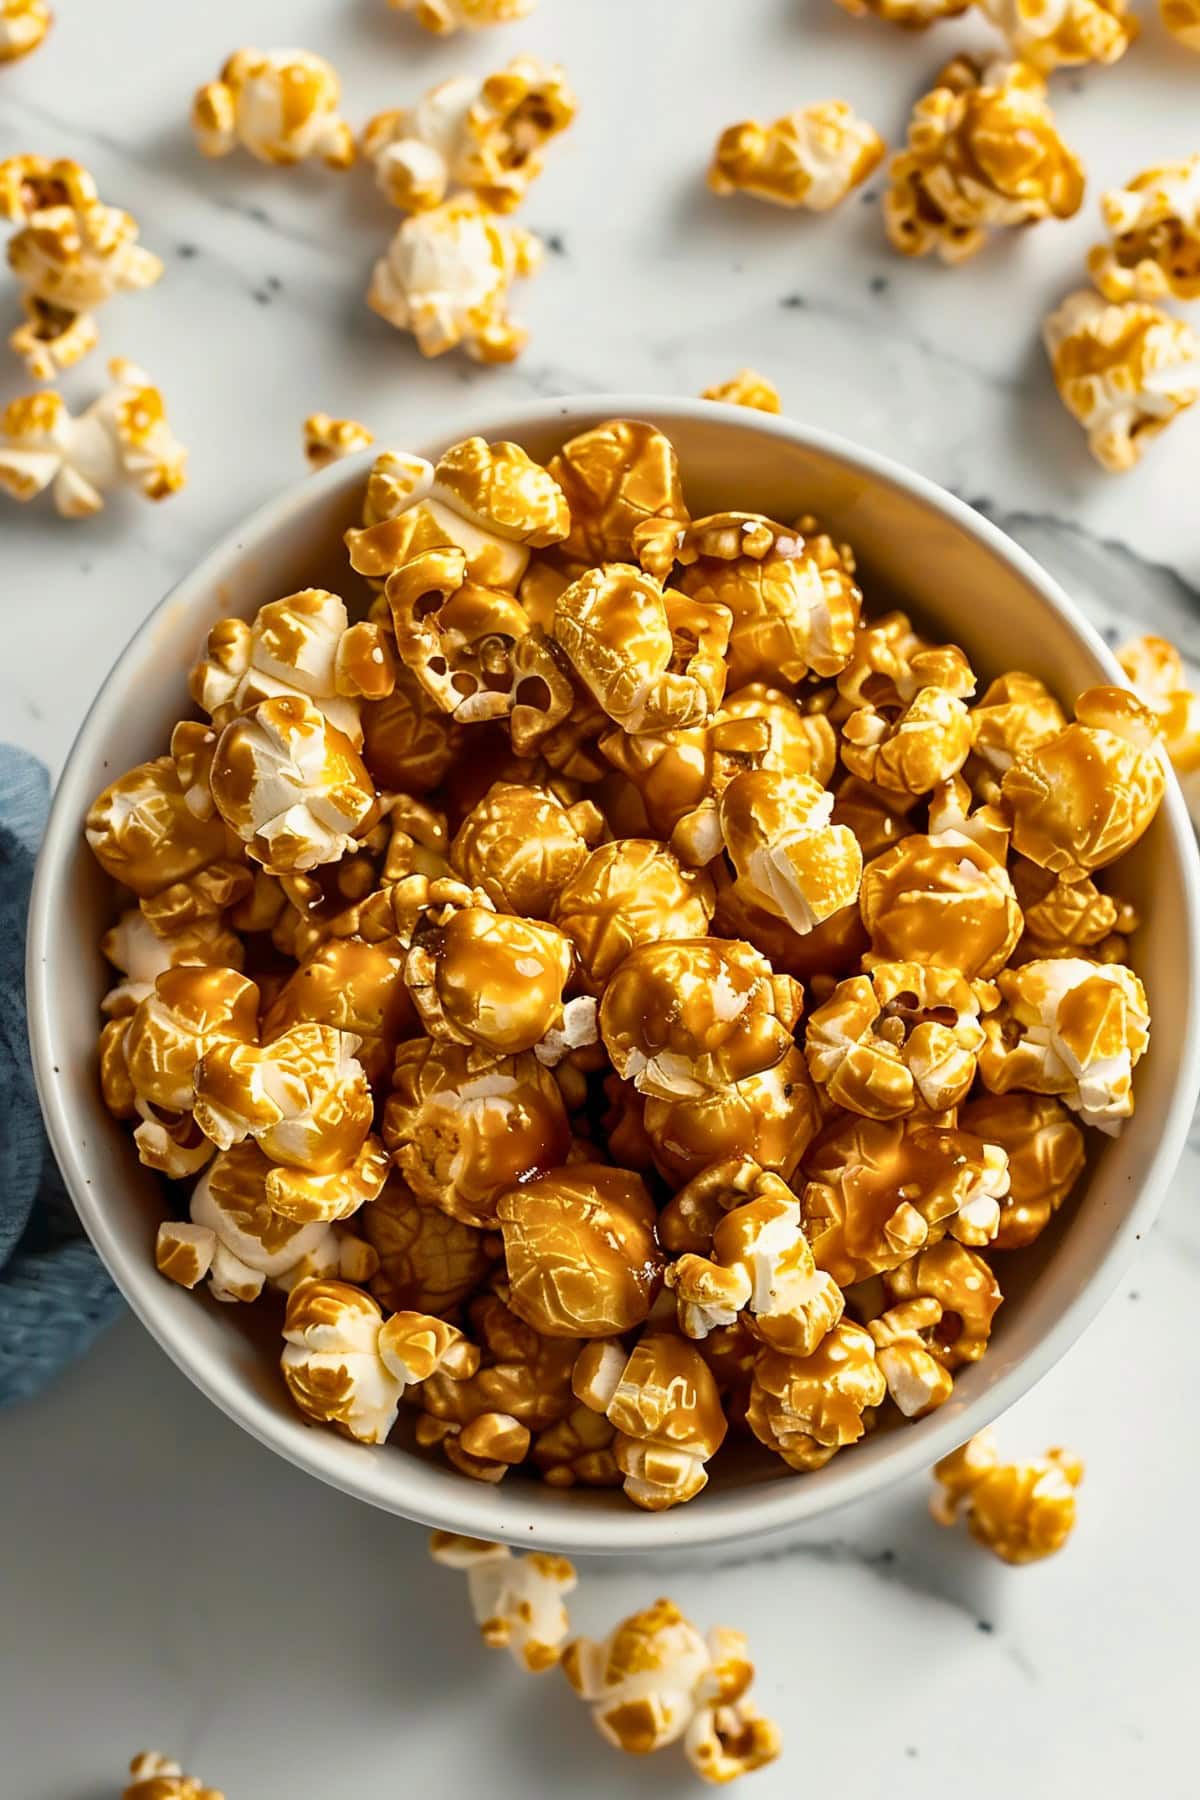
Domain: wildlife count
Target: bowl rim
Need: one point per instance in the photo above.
(761, 1508)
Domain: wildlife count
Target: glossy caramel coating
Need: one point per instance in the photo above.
(1021, 1512)
(521, 845)
(806, 1408)
(901, 1036)
(1045, 1151)
(352, 986)
(489, 980)
(615, 477)
(408, 741)
(944, 902)
(523, 1375)
(770, 1118)
(667, 1413)
(966, 1292)
(428, 1262)
(581, 1251)
(627, 893)
(191, 1010)
(144, 835)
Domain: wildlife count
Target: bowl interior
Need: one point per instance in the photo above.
(916, 548)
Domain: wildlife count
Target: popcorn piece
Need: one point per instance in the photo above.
(770, 1117)
(941, 901)
(428, 1262)
(830, 949)
(689, 1219)
(517, 1600)
(811, 157)
(291, 647)
(1022, 1512)
(1063, 918)
(1071, 1028)
(461, 1136)
(304, 1098)
(628, 893)
(243, 1243)
(686, 1018)
(291, 785)
(485, 135)
(912, 15)
(345, 1367)
(484, 1424)
(23, 25)
(1125, 372)
(794, 609)
(1154, 224)
(577, 1449)
(622, 481)
(1085, 796)
(70, 255)
(901, 1036)
(491, 501)
(966, 1293)
(655, 1680)
(806, 1408)
(876, 818)
(1015, 714)
(581, 1251)
(616, 625)
(1045, 1159)
(474, 650)
(746, 388)
(122, 440)
(142, 955)
(1063, 33)
(327, 440)
(917, 1382)
(408, 742)
(983, 154)
(158, 1777)
(762, 1271)
(666, 1410)
(280, 105)
(445, 16)
(1182, 20)
(1155, 671)
(789, 859)
(521, 845)
(445, 278)
(909, 740)
(488, 980)
(190, 1011)
(877, 1192)
(354, 987)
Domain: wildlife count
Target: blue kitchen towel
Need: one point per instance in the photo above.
(55, 1297)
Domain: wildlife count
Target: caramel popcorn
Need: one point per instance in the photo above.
(304, 1097)
(327, 440)
(790, 860)
(621, 481)
(1021, 1512)
(917, 1382)
(1154, 227)
(1065, 32)
(293, 647)
(1155, 671)
(1182, 20)
(811, 157)
(354, 987)
(428, 1262)
(966, 1293)
(484, 1424)
(1015, 714)
(445, 16)
(942, 901)
(912, 15)
(806, 1408)
(1045, 1159)
(577, 1449)
(746, 388)
(1082, 798)
(628, 893)
(122, 440)
(158, 1777)
(521, 845)
(280, 105)
(23, 25)
(901, 1036)
(770, 1117)
(141, 955)
(408, 741)
(666, 1410)
(654, 1680)
(517, 1600)
(70, 255)
(445, 278)
(581, 1251)
(1125, 372)
(914, 732)
(482, 134)
(983, 154)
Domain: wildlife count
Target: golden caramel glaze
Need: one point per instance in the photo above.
(628, 893)
(878, 1191)
(984, 154)
(521, 845)
(806, 1408)
(157, 1777)
(616, 476)
(876, 818)
(577, 1451)
(352, 986)
(1021, 1511)
(499, 488)
(746, 388)
(623, 1125)
(904, 1339)
(408, 742)
(428, 1262)
(689, 1218)
(692, 1016)
(192, 1010)
(910, 750)
(581, 1251)
(143, 834)
(490, 980)
(966, 1291)
(1125, 372)
(829, 950)
(333, 1194)
(1084, 797)
(1153, 251)
(1015, 714)
(666, 1409)
(770, 1117)
(523, 1375)
(812, 157)
(1071, 916)
(789, 859)
(1156, 672)
(460, 1136)
(943, 901)
(292, 646)
(1067, 34)
(303, 1097)
(280, 105)
(794, 611)
(1045, 1153)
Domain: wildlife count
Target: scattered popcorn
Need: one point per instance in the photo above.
(654, 1680)
(445, 278)
(812, 157)
(444, 16)
(1182, 20)
(158, 1777)
(666, 1410)
(983, 154)
(1155, 671)
(23, 25)
(581, 1251)
(327, 440)
(747, 388)
(912, 15)
(1154, 226)
(484, 135)
(1063, 33)
(1021, 1512)
(122, 440)
(1125, 372)
(517, 1600)
(280, 105)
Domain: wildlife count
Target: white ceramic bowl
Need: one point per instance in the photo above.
(918, 548)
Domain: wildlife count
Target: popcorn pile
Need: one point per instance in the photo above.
(618, 992)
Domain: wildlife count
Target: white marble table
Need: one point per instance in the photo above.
(164, 1579)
